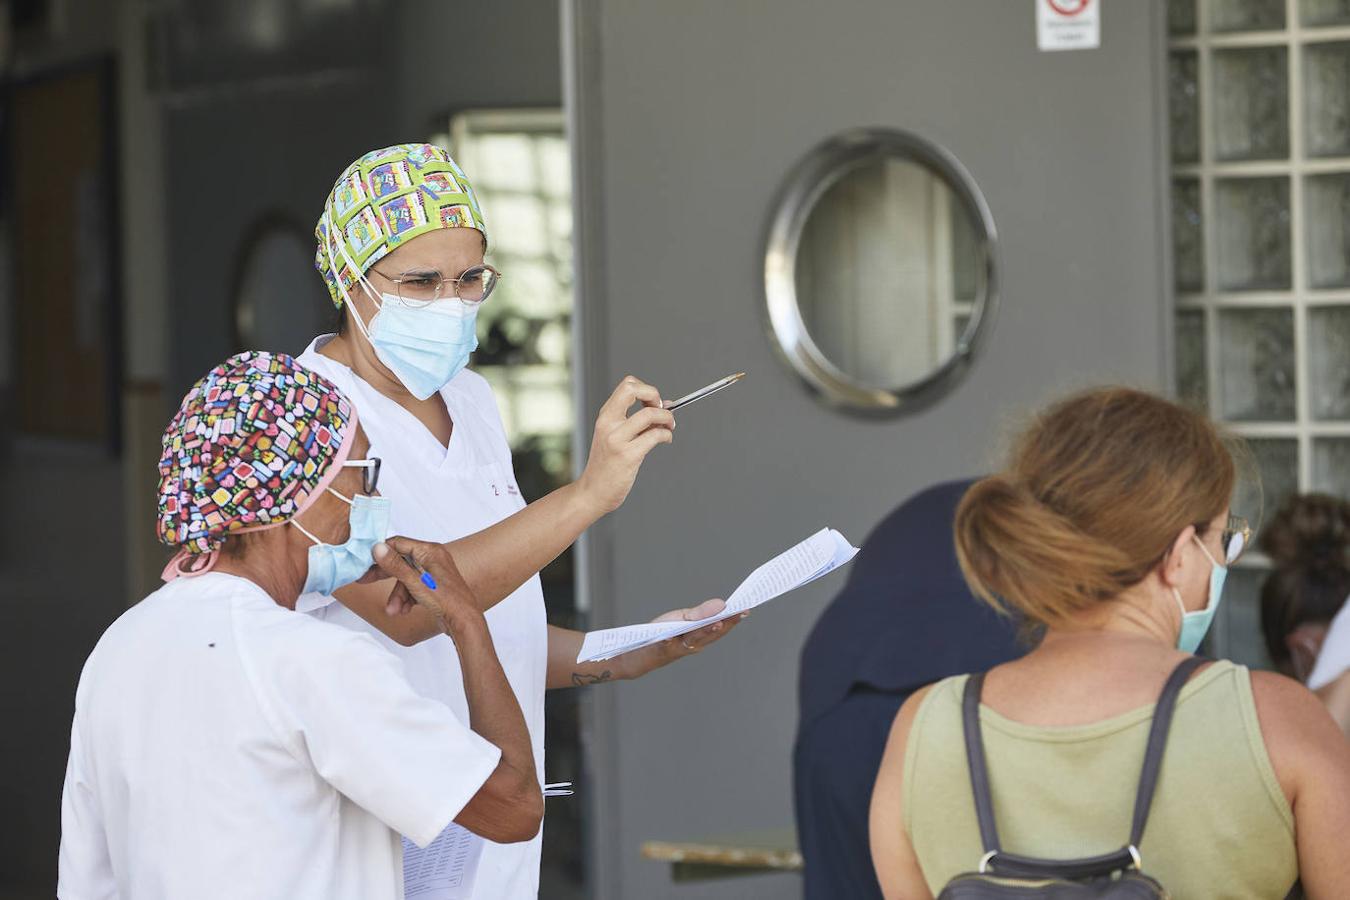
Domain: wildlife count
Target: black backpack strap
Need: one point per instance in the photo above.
(979, 771)
(1157, 743)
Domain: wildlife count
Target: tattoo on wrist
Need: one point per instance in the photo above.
(580, 679)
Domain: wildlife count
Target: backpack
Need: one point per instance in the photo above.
(1111, 876)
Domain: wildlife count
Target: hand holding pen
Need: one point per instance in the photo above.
(622, 441)
(427, 577)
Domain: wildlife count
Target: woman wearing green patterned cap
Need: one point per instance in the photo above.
(401, 246)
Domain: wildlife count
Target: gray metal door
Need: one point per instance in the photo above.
(686, 117)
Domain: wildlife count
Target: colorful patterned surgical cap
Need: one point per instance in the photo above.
(385, 198)
(253, 441)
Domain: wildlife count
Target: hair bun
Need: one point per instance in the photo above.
(1309, 532)
(1021, 555)
(1095, 492)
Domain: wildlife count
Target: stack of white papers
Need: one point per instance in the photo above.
(446, 869)
(818, 555)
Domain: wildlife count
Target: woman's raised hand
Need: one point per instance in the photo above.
(622, 442)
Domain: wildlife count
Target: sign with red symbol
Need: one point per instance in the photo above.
(1068, 24)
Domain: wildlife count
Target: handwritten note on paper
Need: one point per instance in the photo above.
(818, 555)
(446, 869)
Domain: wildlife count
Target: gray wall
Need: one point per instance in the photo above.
(503, 54)
(686, 121)
(230, 161)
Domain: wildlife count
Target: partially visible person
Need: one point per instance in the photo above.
(1308, 543)
(904, 619)
(1110, 529)
(1304, 597)
(226, 746)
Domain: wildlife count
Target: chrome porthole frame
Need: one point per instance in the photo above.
(803, 187)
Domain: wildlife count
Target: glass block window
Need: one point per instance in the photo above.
(1259, 113)
(520, 166)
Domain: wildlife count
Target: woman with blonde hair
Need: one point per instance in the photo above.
(1110, 534)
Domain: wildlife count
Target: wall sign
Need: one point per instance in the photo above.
(1068, 24)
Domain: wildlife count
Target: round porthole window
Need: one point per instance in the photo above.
(279, 301)
(879, 271)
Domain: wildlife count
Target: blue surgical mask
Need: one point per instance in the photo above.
(425, 346)
(332, 566)
(1195, 625)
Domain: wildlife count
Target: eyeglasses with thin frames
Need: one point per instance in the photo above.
(420, 287)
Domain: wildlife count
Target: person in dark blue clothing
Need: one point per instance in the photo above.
(904, 619)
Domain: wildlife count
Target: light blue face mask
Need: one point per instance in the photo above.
(424, 346)
(1195, 625)
(332, 566)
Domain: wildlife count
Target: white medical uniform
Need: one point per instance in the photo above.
(227, 747)
(442, 493)
(1334, 657)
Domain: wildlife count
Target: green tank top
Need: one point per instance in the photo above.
(1220, 825)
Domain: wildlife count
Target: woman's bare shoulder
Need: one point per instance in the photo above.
(1304, 743)
(903, 724)
(1285, 703)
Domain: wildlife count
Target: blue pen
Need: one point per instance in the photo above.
(426, 576)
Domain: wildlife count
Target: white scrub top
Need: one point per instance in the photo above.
(1334, 657)
(442, 493)
(225, 746)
